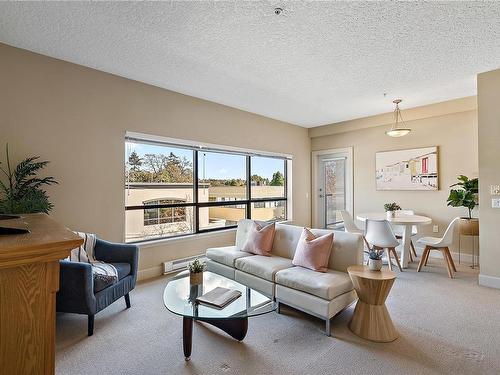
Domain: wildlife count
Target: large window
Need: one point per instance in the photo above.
(268, 177)
(173, 190)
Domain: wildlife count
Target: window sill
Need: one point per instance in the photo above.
(189, 237)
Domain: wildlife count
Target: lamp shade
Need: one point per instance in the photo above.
(399, 132)
(398, 128)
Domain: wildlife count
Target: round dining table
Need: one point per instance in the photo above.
(406, 221)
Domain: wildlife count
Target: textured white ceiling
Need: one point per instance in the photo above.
(317, 63)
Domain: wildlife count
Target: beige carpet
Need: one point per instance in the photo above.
(446, 326)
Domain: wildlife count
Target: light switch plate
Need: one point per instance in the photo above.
(495, 203)
(495, 189)
(435, 229)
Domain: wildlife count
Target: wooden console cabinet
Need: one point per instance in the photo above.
(29, 280)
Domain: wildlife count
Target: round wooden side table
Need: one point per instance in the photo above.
(370, 319)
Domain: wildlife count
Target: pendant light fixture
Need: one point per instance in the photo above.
(399, 128)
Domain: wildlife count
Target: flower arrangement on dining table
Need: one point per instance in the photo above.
(391, 208)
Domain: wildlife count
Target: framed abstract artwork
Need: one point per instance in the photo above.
(411, 169)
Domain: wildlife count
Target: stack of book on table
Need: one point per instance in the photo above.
(219, 297)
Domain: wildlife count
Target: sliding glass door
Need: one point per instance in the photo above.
(332, 188)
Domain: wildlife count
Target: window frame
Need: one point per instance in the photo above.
(196, 205)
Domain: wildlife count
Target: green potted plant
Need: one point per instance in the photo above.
(390, 209)
(375, 259)
(21, 190)
(466, 195)
(196, 268)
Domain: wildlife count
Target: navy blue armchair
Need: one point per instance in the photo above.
(79, 294)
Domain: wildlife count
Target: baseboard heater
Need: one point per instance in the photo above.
(180, 264)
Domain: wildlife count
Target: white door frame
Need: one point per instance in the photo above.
(349, 178)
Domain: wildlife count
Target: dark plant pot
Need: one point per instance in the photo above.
(196, 278)
(11, 231)
(9, 217)
(5, 231)
(469, 227)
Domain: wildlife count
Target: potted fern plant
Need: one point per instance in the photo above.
(466, 195)
(390, 209)
(21, 190)
(196, 268)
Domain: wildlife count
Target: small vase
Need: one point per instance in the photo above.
(391, 214)
(375, 264)
(196, 278)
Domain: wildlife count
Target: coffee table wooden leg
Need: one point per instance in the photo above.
(187, 336)
(236, 328)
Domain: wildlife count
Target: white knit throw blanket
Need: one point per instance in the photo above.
(85, 254)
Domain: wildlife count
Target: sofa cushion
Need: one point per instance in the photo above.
(123, 269)
(347, 249)
(263, 266)
(100, 283)
(313, 252)
(326, 285)
(285, 240)
(226, 255)
(260, 239)
(244, 227)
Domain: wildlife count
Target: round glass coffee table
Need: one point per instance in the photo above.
(180, 296)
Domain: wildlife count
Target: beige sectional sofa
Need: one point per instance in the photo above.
(320, 294)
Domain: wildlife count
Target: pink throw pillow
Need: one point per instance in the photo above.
(313, 252)
(260, 240)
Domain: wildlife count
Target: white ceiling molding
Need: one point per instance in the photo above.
(316, 63)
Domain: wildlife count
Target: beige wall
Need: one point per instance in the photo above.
(77, 117)
(489, 174)
(451, 125)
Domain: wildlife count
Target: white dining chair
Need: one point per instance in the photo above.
(349, 224)
(351, 227)
(441, 244)
(379, 234)
(399, 229)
